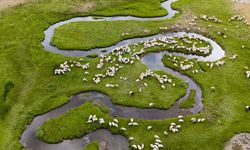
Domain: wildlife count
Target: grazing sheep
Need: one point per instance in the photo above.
(248, 74)
(151, 104)
(174, 127)
(101, 121)
(131, 93)
(131, 138)
(165, 132)
(181, 121)
(233, 57)
(247, 108)
(193, 120)
(157, 144)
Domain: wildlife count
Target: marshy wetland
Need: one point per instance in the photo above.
(124, 75)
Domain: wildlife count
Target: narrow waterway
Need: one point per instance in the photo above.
(152, 60)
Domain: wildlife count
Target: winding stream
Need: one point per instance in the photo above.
(152, 61)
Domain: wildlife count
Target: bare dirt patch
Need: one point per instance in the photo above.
(187, 23)
(85, 7)
(242, 9)
(10, 3)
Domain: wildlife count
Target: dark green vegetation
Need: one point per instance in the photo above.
(92, 55)
(37, 90)
(73, 121)
(7, 87)
(4, 107)
(92, 146)
(190, 101)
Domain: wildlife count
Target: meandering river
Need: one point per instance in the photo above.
(151, 60)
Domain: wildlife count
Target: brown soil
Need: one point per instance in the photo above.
(10, 3)
(85, 7)
(243, 9)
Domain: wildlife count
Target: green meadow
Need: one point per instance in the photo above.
(29, 87)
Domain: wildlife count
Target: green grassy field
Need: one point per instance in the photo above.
(190, 101)
(88, 35)
(92, 146)
(35, 90)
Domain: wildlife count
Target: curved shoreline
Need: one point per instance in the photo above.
(152, 60)
(49, 33)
